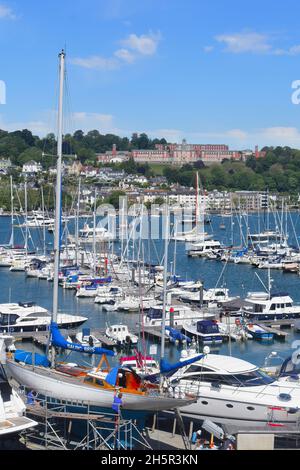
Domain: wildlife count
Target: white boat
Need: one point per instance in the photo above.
(12, 407)
(27, 316)
(273, 306)
(233, 391)
(206, 331)
(86, 338)
(235, 331)
(179, 313)
(204, 247)
(108, 294)
(212, 298)
(121, 334)
(128, 304)
(101, 234)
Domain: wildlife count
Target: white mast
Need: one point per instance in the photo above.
(164, 313)
(58, 195)
(12, 238)
(44, 226)
(26, 221)
(94, 233)
(77, 223)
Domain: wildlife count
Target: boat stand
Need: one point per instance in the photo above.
(73, 426)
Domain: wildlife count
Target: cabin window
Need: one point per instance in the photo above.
(99, 382)
(258, 308)
(229, 405)
(250, 408)
(195, 368)
(8, 319)
(89, 380)
(204, 402)
(272, 307)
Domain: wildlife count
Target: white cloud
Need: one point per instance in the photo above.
(245, 42)
(252, 42)
(237, 134)
(145, 44)
(38, 127)
(6, 13)
(89, 121)
(96, 62)
(126, 55)
(293, 50)
(208, 48)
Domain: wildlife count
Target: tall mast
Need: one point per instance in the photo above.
(165, 282)
(94, 233)
(26, 221)
(58, 194)
(77, 222)
(12, 238)
(44, 226)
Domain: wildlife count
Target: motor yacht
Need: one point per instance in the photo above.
(234, 391)
(27, 316)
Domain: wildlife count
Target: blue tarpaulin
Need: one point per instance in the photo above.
(58, 340)
(31, 358)
(176, 335)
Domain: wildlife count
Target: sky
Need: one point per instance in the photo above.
(209, 71)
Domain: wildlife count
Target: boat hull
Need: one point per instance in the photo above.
(55, 385)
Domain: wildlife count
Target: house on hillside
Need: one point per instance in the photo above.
(31, 168)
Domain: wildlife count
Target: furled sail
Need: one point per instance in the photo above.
(59, 341)
(165, 366)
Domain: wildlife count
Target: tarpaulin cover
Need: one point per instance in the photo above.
(58, 340)
(31, 358)
(176, 335)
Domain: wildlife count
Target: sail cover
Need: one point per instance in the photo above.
(31, 358)
(59, 341)
(165, 366)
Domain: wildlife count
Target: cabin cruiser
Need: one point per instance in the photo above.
(130, 303)
(121, 334)
(108, 294)
(101, 234)
(273, 306)
(27, 316)
(205, 331)
(211, 298)
(234, 391)
(203, 248)
(179, 313)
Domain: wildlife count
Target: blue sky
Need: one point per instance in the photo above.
(210, 71)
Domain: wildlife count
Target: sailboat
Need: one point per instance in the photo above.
(94, 386)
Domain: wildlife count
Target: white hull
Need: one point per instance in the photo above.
(56, 385)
